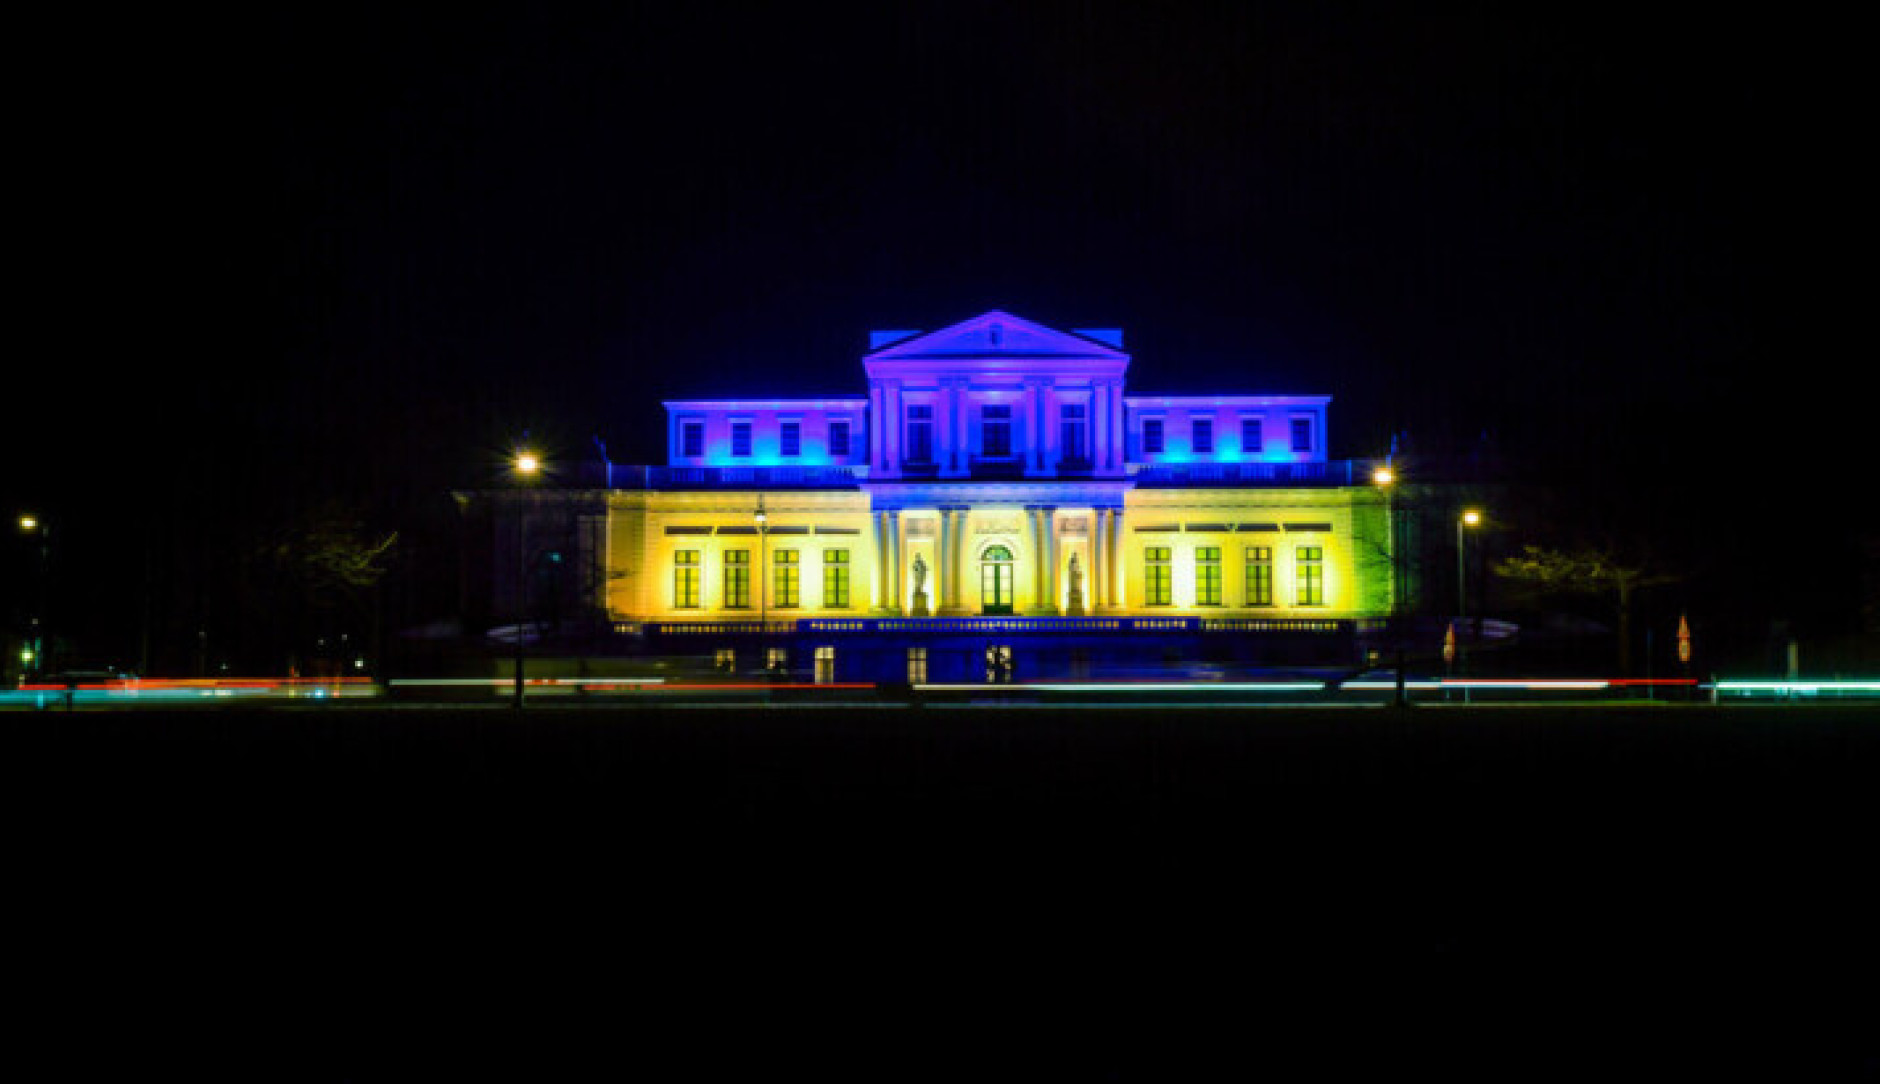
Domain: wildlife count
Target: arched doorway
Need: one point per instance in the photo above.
(995, 580)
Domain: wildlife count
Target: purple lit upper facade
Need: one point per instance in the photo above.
(997, 397)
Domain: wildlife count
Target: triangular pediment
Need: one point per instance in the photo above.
(996, 334)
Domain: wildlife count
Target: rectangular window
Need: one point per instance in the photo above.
(835, 579)
(995, 430)
(740, 438)
(692, 438)
(839, 438)
(737, 579)
(784, 579)
(725, 660)
(1302, 434)
(776, 660)
(1204, 436)
(1311, 575)
(1073, 429)
(826, 665)
(1155, 579)
(1252, 436)
(685, 579)
(917, 666)
(790, 438)
(1207, 575)
(1152, 436)
(919, 433)
(1259, 575)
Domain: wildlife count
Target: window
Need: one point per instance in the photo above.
(1259, 575)
(916, 666)
(1155, 580)
(835, 579)
(1207, 575)
(1252, 438)
(839, 438)
(725, 660)
(790, 438)
(776, 660)
(1302, 434)
(785, 579)
(1311, 575)
(1204, 436)
(995, 430)
(1072, 432)
(919, 433)
(685, 579)
(737, 579)
(1152, 436)
(826, 665)
(692, 438)
(740, 438)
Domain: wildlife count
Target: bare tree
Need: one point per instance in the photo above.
(1588, 571)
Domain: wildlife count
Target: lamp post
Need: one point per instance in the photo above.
(1384, 478)
(763, 583)
(524, 467)
(1470, 518)
(33, 652)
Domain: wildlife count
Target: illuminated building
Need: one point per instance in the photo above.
(995, 486)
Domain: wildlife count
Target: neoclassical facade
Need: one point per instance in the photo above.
(997, 476)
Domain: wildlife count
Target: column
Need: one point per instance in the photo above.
(1119, 598)
(958, 516)
(1029, 450)
(879, 521)
(1054, 557)
(946, 569)
(1119, 432)
(895, 563)
(891, 427)
(1099, 589)
(875, 411)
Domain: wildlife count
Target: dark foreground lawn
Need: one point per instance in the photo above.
(370, 894)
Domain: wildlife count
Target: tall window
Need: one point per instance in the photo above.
(916, 666)
(790, 438)
(839, 438)
(1310, 576)
(835, 579)
(1302, 434)
(1073, 431)
(995, 429)
(738, 579)
(1155, 580)
(740, 438)
(919, 433)
(692, 438)
(1152, 436)
(826, 665)
(1207, 575)
(685, 579)
(1204, 436)
(1259, 575)
(784, 579)
(1252, 436)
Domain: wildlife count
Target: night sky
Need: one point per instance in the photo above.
(345, 252)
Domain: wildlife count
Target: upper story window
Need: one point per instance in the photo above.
(790, 438)
(1302, 434)
(995, 429)
(919, 433)
(1252, 436)
(740, 438)
(1152, 436)
(1204, 436)
(1074, 431)
(692, 438)
(839, 437)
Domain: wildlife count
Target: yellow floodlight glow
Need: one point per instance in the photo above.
(29, 523)
(1383, 476)
(527, 463)
(1471, 518)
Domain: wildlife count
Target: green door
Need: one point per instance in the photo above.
(995, 581)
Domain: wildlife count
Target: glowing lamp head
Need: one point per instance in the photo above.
(1471, 518)
(29, 523)
(527, 463)
(1383, 476)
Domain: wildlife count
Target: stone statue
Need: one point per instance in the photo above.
(921, 609)
(1075, 606)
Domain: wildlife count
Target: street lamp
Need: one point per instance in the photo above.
(524, 468)
(1470, 518)
(1384, 478)
(33, 652)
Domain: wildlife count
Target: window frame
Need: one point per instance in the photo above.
(835, 579)
(1156, 426)
(1258, 558)
(1208, 576)
(1309, 575)
(686, 566)
(1158, 588)
(748, 427)
(737, 582)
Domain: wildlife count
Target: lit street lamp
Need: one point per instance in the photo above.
(1384, 478)
(1470, 518)
(524, 468)
(33, 651)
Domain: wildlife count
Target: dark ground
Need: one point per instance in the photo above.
(370, 894)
